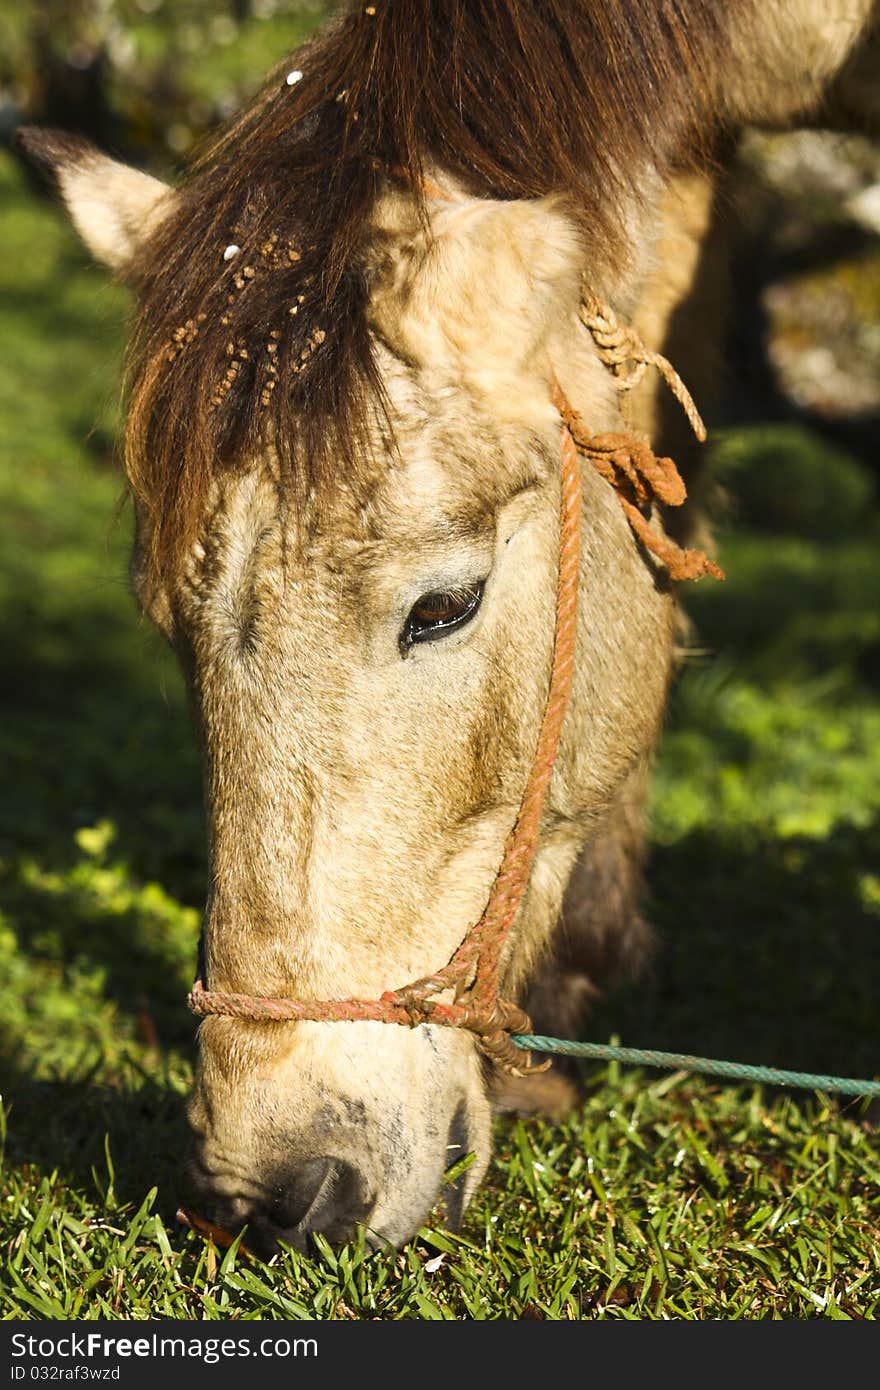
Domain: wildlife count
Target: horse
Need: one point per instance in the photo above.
(420, 269)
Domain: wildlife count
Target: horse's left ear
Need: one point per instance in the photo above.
(481, 286)
(113, 206)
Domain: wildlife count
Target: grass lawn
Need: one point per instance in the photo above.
(665, 1195)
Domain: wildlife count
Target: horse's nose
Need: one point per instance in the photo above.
(327, 1195)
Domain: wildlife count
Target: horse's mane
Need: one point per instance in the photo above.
(514, 98)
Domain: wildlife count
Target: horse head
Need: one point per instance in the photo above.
(356, 319)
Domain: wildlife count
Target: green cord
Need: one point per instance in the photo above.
(680, 1061)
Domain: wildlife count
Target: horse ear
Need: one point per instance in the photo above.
(113, 206)
(525, 254)
(483, 282)
(488, 294)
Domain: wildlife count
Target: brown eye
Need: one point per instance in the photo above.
(438, 613)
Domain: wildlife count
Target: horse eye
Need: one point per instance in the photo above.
(440, 612)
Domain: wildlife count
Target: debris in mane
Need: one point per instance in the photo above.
(513, 98)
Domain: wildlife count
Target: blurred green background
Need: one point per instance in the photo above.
(143, 78)
(765, 876)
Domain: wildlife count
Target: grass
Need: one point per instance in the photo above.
(667, 1197)
(660, 1199)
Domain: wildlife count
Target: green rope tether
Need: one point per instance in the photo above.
(681, 1061)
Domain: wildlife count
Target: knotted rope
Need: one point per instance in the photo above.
(627, 462)
(628, 357)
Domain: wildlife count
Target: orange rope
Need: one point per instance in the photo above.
(639, 477)
(628, 357)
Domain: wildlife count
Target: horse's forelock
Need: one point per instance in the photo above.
(514, 100)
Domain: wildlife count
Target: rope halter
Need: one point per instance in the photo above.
(473, 972)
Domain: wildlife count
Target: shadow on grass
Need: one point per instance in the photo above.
(766, 954)
(794, 610)
(70, 1127)
(95, 726)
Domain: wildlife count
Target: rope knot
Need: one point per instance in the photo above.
(618, 345)
(415, 998)
(638, 475)
(629, 457)
(492, 1026)
(628, 356)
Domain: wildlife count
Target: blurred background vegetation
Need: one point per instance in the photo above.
(143, 78)
(765, 878)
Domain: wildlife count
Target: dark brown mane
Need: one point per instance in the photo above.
(517, 98)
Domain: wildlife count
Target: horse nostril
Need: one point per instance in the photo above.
(298, 1190)
(323, 1194)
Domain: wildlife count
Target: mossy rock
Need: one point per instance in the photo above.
(787, 480)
